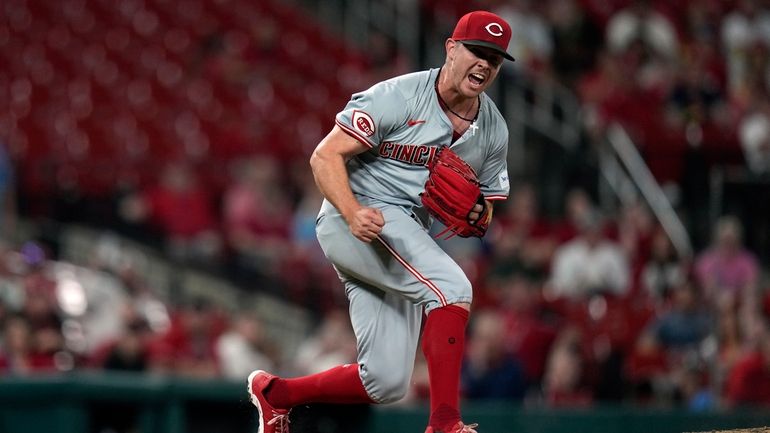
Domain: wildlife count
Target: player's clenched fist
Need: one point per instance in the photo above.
(366, 223)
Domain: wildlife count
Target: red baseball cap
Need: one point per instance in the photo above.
(484, 29)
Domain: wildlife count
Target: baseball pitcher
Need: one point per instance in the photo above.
(418, 147)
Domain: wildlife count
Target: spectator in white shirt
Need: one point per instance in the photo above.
(241, 349)
(754, 133)
(591, 263)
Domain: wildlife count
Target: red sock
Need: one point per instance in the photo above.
(340, 384)
(443, 343)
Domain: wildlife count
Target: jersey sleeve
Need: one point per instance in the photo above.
(371, 115)
(494, 172)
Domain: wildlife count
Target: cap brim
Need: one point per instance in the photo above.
(491, 46)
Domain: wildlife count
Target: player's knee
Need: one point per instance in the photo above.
(460, 290)
(389, 388)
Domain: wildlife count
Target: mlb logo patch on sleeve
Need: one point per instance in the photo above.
(363, 122)
(504, 182)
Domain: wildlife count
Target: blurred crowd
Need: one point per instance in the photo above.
(569, 312)
(571, 309)
(57, 317)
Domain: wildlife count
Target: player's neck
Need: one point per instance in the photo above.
(454, 101)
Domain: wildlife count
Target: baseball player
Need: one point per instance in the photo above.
(372, 169)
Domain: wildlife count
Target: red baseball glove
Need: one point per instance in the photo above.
(451, 192)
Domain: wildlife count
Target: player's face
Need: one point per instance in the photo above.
(473, 68)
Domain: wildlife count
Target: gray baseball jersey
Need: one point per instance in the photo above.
(403, 123)
(392, 280)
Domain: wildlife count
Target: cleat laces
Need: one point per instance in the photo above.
(281, 422)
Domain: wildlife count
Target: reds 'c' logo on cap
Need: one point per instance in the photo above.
(494, 29)
(484, 29)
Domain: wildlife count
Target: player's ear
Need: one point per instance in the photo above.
(450, 46)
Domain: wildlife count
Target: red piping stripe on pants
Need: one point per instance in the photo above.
(416, 273)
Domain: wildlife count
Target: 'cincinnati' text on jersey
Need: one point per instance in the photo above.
(415, 154)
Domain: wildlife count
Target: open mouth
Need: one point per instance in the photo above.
(476, 79)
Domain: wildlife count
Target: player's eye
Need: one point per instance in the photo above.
(491, 57)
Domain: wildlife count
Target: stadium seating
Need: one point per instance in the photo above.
(104, 92)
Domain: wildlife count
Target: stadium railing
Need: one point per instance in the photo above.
(85, 402)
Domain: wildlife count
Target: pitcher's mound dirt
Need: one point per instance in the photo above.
(742, 430)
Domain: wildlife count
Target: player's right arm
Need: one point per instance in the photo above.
(331, 176)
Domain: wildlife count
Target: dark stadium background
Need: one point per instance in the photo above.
(157, 212)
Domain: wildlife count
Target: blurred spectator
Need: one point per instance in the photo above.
(576, 40)
(27, 350)
(309, 200)
(531, 40)
(646, 369)
(529, 328)
(180, 207)
(256, 214)
(489, 370)
(686, 323)
(589, 264)
(244, 348)
(663, 271)
(15, 357)
(7, 195)
(745, 37)
(48, 349)
(726, 268)
(149, 307)
(522, 238)
(12, 266)
(668, 362)
(749, 381)
(730, 337)
(696, 389)
(696, 95)
(701, 32)
(188, 348)
(40, 307)
(577, 207)
(640, 22)
(129, 351)
(595, 87)
(700, 122)
(333, 343)
(129, 348)
(754, 130)
(635, 229)
(44, 319)
(703, 70)
(563, 383)
(307, 276)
